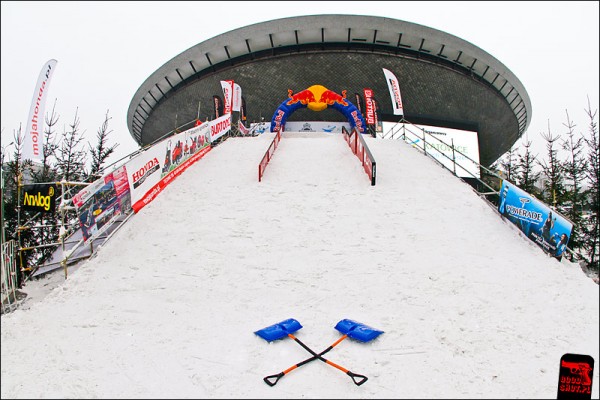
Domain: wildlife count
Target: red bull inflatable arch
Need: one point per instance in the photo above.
(318, 98)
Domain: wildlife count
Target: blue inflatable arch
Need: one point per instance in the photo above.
(318, 98)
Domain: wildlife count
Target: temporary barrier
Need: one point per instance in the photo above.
(359, 148)
(267, 157)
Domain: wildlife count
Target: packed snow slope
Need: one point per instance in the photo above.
(169, 306)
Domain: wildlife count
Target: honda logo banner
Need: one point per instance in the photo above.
(33, 142)
(237, 98)
(394, 88)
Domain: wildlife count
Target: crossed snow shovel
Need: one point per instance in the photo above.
(348, 327)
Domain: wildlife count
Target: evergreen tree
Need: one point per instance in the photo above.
(524, 170)
(553, 192)
(13, 174)
(590, 226)
(46, 225)
(574, 170)
(102, 151)
(507, 164)
(70, 165)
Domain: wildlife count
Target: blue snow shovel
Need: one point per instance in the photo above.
(350, 328)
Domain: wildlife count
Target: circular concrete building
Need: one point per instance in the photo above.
(444, 81)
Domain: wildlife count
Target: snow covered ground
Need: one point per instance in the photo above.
(169, 306)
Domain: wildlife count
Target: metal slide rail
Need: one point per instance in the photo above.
(409, 132)
(361, 150)
(268, 154)
(403, 132)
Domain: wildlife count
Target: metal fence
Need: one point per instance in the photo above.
(9, 276)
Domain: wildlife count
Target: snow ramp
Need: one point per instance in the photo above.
(168, 307)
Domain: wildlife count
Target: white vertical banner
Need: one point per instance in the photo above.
(237, 98)
(394, 89)
(33, 142)
(227, 87)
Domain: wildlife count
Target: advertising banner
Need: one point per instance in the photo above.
(316, 126)
(542, 225)
(369, 109)
(227, 87)
(100, 203)
(218, 106)
(152, 170)
(359, 102)
(438, 142)
(237, 98)
(33, 141)
(394, 88)
(243, 130)
(39, 198)
(219, 127)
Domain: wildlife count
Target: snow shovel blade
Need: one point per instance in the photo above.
(356, 330)
(279, 330)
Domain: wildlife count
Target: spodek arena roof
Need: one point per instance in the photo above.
(444, 80)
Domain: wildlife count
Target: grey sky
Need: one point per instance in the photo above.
(105, 50)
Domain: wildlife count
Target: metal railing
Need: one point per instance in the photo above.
(412, 133)
(268, 154)
(361, 150)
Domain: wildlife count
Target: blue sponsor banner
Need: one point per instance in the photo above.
(544, 226)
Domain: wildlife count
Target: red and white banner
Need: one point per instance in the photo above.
(237, 98)
(151, 171)
(33, 142)
(369, 108)
(220, 126)
(227, 87)
(394, 88)
(242, 128)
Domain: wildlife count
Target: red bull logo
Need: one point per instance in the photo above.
(330, 98)
(304, 97)
(317, 98)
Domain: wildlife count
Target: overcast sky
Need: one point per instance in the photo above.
(105, 50)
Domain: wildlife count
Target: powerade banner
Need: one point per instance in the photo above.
(318, 98)
(33, 141)
(100, 203)
(39, 198)
(151, 171)
(544, 226)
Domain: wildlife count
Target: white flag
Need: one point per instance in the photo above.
(237, 97)
(33, 142)
(227, 87)
(394, 89)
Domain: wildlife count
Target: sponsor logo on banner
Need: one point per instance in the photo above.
(140, 176)
(394, 88)
(33, 142)
(39, 198)
(369, 108)
(227, 87)
(100, 203)
(542, 225)
(237, 98)
(219, 127)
